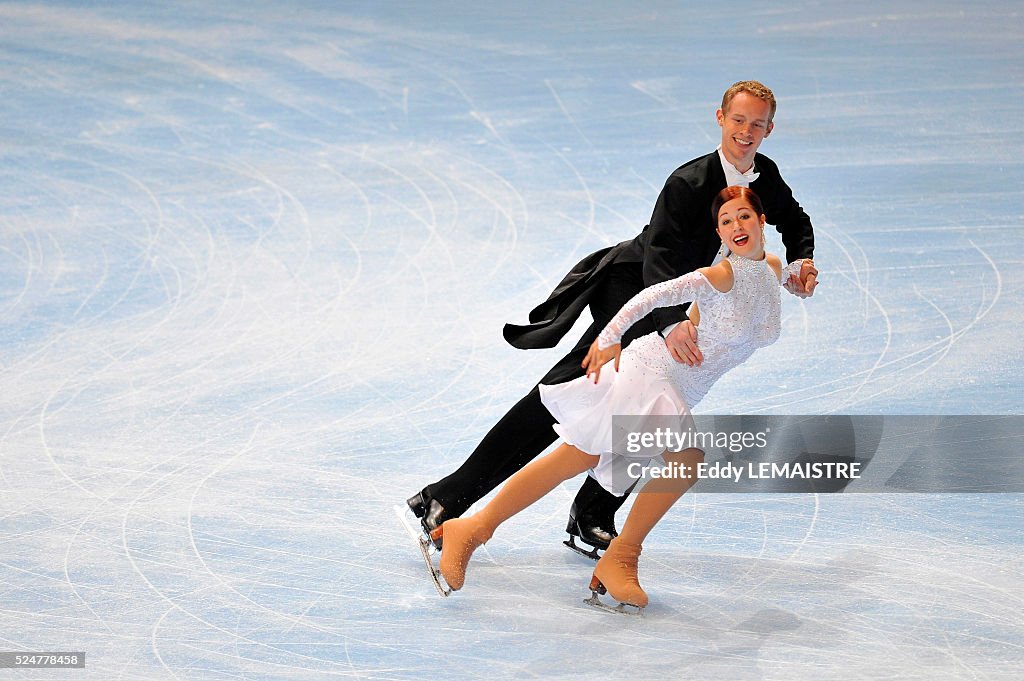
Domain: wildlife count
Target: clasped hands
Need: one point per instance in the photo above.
(803, 285)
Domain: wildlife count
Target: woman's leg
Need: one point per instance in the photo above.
(617, 569)
(463, 535)
(659, 495)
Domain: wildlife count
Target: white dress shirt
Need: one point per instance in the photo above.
(733, 178)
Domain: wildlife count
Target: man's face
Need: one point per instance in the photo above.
(744, 125)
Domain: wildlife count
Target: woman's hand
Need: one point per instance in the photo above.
(597, 358)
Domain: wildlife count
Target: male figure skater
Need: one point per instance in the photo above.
(680, 238)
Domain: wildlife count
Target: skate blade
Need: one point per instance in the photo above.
(627, 609)
(426, 549)
(592, 554)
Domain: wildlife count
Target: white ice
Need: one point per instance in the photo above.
(254, 263)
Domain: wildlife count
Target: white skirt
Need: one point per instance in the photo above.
(644, 399)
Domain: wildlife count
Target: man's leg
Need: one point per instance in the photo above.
(620, 285)
(592, 514)
(516, 439)
(525, 430)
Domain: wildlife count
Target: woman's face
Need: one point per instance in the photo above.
(741, 228)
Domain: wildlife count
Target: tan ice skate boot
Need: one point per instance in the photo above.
(616, 571)
(615, 574)
(461, 537)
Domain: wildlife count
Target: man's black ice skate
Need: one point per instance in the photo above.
(590, 531)
(430, 512)
(417, 503)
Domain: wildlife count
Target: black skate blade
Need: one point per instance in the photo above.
(426, 549)
(592, 554)
(627, 609)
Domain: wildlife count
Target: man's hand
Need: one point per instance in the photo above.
(803, 285)
(682, 344)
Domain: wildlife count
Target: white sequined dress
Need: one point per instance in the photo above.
(649, 382)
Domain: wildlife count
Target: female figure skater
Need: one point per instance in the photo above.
(739, 310)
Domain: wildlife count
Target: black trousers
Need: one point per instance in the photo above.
(526, 429)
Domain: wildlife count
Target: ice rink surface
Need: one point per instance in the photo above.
(254, 263)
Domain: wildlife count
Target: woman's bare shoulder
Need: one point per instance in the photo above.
(720, 275)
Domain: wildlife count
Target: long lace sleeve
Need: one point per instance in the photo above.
(672, 292)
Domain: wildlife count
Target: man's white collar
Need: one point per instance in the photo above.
(733, 177)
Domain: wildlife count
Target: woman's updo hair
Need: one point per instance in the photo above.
(730, 193)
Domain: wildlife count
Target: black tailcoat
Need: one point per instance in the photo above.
(680, 238)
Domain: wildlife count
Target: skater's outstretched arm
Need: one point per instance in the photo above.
(676, 291)
(683, 289)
